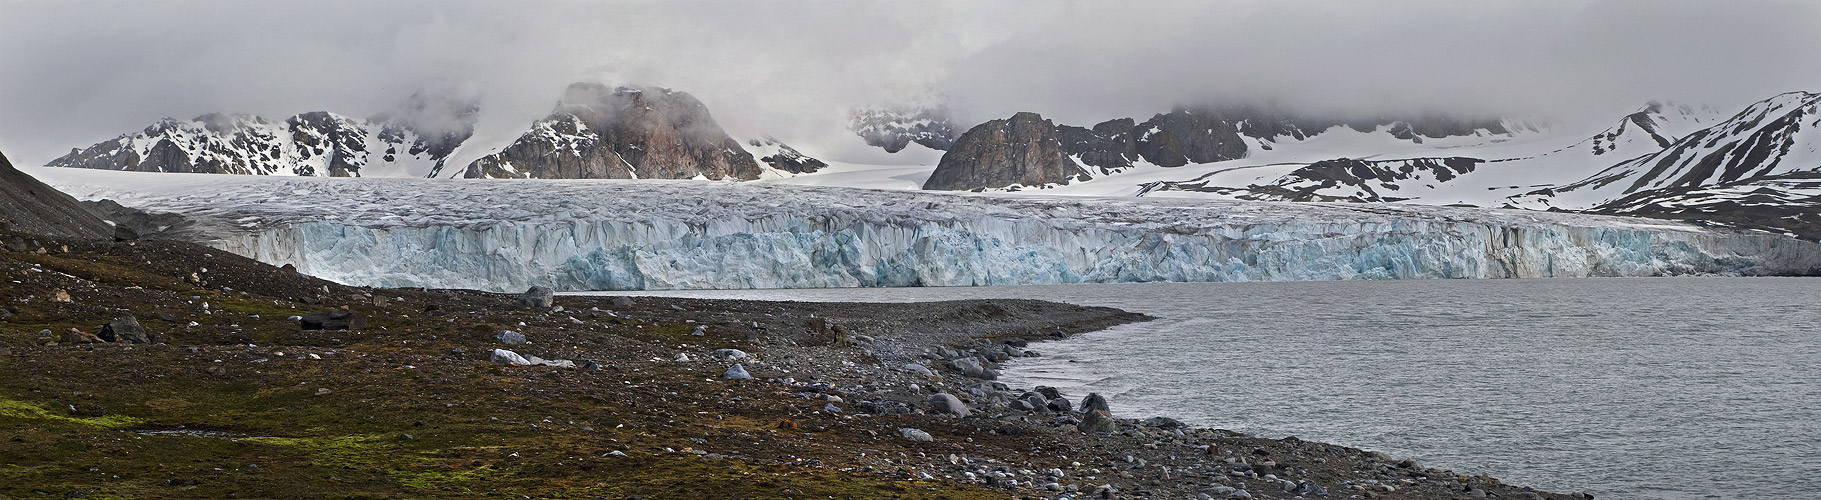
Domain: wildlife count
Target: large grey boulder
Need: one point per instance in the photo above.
(538, 296)
(1093, 402)
(124, 329)
(943, 402)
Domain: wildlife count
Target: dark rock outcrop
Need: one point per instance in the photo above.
(1022, 150)
(783, 157)
(598, 132)
(31, 206)
(1206, 134)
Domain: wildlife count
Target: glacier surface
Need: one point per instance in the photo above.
(653, 235)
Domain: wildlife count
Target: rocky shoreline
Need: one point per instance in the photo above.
(239, 379)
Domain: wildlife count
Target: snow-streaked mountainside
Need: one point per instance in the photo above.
(413, 141)
(590, 235)
(1772, 140)
(892, 128)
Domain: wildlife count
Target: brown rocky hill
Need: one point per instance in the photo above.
(601, 132)
(1021, 150)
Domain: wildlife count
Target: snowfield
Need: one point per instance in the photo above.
(654, 235)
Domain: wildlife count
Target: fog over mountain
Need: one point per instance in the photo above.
(79, 73)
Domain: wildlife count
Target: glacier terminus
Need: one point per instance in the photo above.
(662, 235)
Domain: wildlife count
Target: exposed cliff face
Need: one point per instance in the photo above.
(413, 141)
(1022, 150)
(598, 132)
(28, 205)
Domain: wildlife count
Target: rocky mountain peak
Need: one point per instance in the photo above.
(414, 140)
(626, 132)
(1019, 151)
(896, 127)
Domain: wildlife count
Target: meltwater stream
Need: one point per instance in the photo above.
(1645, 388)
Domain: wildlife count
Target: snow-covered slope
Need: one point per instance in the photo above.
(578, 235)
(413, 141)
(1774, 138)
(1463, 171)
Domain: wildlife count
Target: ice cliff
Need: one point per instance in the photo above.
(593, 235)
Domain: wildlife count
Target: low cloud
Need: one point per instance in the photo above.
(77, 73)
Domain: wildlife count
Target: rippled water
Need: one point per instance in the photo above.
(1666, 388)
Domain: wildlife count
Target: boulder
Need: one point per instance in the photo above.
(730, 355)
(1048, 392)
(1095, 401)
(339, 319)
(537, 297)
(736, 372)
(621, 301)
(124, 329)
(915, 434)
(1060, 405)
(509, 357)
(919, 369)
(943, 402)
(510, 337)
(1097, 422)
(74, 336)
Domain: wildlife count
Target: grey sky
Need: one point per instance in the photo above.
(74, 73)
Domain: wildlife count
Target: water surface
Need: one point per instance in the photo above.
(1667, 388)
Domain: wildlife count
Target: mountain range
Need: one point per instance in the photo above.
(1759, 168)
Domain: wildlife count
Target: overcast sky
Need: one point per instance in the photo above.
(75, 73)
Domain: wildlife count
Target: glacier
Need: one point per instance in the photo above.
(506, 235)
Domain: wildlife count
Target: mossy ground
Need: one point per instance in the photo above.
(235, 405)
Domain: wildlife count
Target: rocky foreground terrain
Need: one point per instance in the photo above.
(212, 387)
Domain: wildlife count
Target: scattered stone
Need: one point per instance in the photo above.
(919, 369)
(621, 301)
(831, 408)
(537, 297)
(74, 336)
(323, 391)
(339, 319)
(1307, 488)
(218, 370)
(729, 355)
(700, 330)
(943, 402)
(915, 434)
(508, 357)
(736, 372)
(59, 295)
(1097, 422)
(510, 337)
(1163, 423)
(589, 364)
(1095, 401)
(124, 329)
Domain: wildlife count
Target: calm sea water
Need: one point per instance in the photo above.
(1669, 388)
